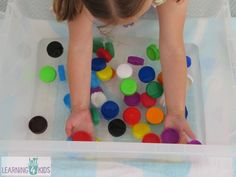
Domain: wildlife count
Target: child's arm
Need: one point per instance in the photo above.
(79, 60)
(171, 18)
(79, 72)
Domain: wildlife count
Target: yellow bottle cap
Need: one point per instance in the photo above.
(140, 129)
(98, 139)
(105, 74)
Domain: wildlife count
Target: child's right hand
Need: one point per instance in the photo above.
(79, 120)
(180, 124)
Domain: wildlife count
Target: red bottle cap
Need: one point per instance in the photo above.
(147, 101)
(81, 136)
(103, 53)
(151, 138)
(132, 116)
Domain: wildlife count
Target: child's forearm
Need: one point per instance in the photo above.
(79, 74)
(175, 78)
(172, 18)
(79, 62)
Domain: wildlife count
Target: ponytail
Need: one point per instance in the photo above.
(67, 9)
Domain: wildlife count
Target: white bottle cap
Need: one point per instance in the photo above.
(98, 99)
(124, 71)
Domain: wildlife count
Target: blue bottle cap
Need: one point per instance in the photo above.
(188, 61)
(69, 139)
(186, 112)
(98, 64)
(61, 72)
(110, 110)
(95, 82)
(67, 101)
(146, 74)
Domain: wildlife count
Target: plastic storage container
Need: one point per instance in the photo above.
(28, 25)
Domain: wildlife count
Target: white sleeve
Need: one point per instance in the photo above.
(157, 2)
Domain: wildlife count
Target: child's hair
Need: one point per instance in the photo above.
(109, 10)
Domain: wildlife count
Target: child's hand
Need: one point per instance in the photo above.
(79, 120)
(181, 125)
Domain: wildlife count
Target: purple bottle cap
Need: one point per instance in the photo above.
(97, 89)
(170, 135)
(134, 60)
(196, 142)
(132, 100)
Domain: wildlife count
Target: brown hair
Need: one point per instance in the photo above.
(109, 10)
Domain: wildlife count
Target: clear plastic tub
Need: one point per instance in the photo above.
(211, 99)
(48, 98)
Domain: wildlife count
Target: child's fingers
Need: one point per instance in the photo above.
(68, 129)
(90, 131)
(189, 132)
(168, 124)
(183, 138)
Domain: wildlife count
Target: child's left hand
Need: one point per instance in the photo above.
(181, 125)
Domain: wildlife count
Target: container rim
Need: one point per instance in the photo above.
(115, 149)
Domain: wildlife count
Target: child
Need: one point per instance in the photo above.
(81, 15)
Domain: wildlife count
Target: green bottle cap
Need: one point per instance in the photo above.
(110, 48)
(95, 116)
(153, 52)
(47, 74)
(154, 89)
(97, 43)
(128, 86)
